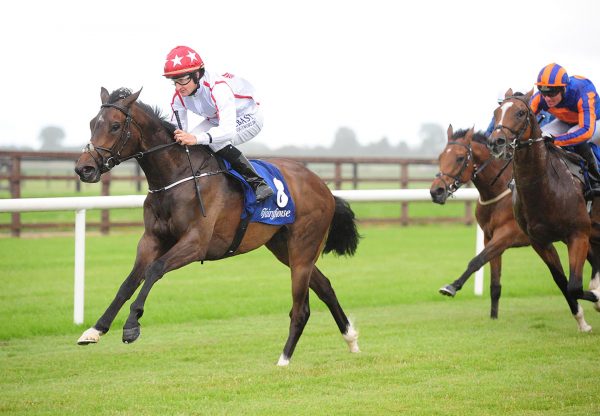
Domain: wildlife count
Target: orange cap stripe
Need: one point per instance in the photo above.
(546, 75)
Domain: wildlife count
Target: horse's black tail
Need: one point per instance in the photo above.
(343, 236)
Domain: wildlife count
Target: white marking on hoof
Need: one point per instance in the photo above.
(595, 282)
(283, 361)
(581, 323)
(597, 303)
(351, 338)
(90, 336)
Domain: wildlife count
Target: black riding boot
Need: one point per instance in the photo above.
(243, 166)
(585, 151)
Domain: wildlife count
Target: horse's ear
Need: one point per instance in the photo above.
(469, 134)
(529, 94)
(508, 93)
(104, 95)
(450, 132)
(132, 98)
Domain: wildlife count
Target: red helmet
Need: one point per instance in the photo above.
(182, 60)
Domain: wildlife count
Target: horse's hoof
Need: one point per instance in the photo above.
(581, 323)
(597, 303)
(283, 361)
(131, 334)
(90, 336)
(448, 290)
(351, 338)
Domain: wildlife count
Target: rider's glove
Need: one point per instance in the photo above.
(547, 137)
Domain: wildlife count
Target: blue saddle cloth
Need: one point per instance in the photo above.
(279, 209)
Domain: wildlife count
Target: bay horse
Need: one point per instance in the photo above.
(465, 158)
(549, 203)
(176, 232)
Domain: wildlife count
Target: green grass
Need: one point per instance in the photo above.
(212, 333)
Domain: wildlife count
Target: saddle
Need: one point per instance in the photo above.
(578, 168)
(575, 163)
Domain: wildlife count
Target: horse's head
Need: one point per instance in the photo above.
(515, 125)
(456, 165)
(113, 138)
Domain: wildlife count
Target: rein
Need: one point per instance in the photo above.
(115, 156)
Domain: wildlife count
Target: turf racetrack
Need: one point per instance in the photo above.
(212, 333)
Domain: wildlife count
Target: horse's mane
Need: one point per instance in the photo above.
(153, 112)
(478, 136)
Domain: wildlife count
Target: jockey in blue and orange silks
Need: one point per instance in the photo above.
(576, 105)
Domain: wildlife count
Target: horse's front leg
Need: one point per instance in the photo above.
(148, 249)
(578, 248)
(491, 249)
(187, 250)
(550, 256)
(578, 252)
(495, 286)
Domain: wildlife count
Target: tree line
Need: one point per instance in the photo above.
(432, 139)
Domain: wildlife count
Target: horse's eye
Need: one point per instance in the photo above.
(521, 113)
(115, 127)
(460, 159)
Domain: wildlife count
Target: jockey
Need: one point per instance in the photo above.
(227, 103)
(575, 104)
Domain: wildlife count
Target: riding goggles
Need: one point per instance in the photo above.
(182, 80)
(550, 91)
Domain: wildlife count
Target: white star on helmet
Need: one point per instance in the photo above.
(177, 60)
(192, 56)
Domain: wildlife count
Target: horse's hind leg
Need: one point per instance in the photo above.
(321, 285)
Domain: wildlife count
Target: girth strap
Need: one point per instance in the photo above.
(238, 237)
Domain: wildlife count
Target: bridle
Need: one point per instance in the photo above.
(115, 157)
(114, 152)
(516, 142)
(457, 181)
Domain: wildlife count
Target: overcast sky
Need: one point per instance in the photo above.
(379, 67)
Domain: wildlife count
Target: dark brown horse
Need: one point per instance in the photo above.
(465, 158)
(549, 202)
(176, 233)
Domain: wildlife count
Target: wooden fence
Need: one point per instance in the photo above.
(339, 172)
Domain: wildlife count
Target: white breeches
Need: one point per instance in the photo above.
(557, 127)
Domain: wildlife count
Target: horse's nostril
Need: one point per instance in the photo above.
(85, 171)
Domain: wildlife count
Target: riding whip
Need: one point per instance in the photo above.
(187, 151)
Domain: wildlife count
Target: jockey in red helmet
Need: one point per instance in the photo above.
(576, 105)
(228, 106)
